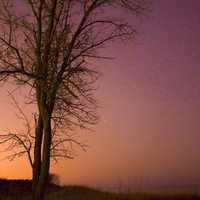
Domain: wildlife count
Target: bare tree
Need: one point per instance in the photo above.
(21, 143)
(50, 46)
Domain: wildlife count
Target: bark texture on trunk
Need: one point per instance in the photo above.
(45, 165)
(37, 153)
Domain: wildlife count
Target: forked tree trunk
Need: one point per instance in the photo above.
(45, 165)
(37, 153)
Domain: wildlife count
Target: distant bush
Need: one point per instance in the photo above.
(54, 179)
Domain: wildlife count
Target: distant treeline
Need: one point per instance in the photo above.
(20, 187)
(21, 190)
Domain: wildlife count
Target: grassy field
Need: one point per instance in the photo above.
(20, 190)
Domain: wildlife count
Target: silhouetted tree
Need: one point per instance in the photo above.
(20, 143)
(50, 46)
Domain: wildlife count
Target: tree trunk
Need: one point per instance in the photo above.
(37, 153)
(45, 165)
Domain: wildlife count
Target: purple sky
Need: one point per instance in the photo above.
(149, 94)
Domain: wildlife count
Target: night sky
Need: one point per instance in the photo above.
(149, 130)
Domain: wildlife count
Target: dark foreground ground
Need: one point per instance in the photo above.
(21, 190)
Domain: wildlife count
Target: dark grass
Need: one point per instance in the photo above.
(21, 190)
